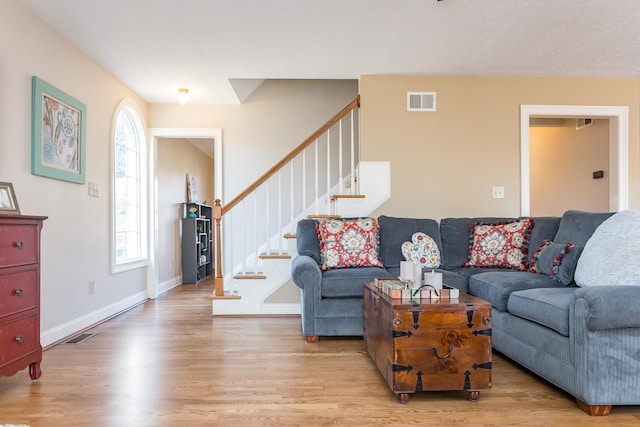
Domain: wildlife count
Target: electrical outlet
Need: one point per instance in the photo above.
(92, 287)
(497, 192)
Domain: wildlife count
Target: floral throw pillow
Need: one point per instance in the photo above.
(499, 245)
(346, 243)
(558, 260)
(423, 250)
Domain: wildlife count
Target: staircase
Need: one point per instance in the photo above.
(255, 232)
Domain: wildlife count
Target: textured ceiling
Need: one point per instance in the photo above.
(222, 49)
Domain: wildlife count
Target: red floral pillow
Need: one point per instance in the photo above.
(500, 245)
(348, 243)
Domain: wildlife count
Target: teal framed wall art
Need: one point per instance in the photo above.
(57, 133)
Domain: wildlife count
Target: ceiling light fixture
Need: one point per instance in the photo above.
(183, 95)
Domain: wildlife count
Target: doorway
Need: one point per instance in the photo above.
(569, 165)
(618, 147)
(155, 284)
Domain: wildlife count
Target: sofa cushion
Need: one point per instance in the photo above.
(455, 239)
(546, 306)
(496, 286)
(346, 243)
(459, 277)
(307, 239)
(556, 260)
(395, 231)
(611, 255)
(578, 226)
(348, 282)
(423, 250)
(502, 245)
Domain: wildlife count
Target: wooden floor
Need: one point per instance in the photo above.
(169, 363)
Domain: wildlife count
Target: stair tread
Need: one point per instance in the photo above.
(290, 236)
(225, 296)
(347, 196)
(323, 216)
(274, 256)
(249, 275)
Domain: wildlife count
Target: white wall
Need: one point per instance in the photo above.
(75, 238)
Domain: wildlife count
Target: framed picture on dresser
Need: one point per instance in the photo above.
(8, 201)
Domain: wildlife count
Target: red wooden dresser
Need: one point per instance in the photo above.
(20, 294)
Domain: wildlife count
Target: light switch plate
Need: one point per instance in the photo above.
(94, 189)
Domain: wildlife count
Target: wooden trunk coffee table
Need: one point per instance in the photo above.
(429, 344)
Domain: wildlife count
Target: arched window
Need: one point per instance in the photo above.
(129, 223)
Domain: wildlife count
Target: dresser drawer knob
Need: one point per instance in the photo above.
(19, 339)
(19, 245)
(19, 292)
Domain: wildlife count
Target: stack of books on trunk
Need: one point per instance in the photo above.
(399, 290)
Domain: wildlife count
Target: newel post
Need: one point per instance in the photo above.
(218, 281)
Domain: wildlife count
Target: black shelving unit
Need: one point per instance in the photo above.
(197, 242)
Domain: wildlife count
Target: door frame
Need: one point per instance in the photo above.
(153, 287)
(618, 148)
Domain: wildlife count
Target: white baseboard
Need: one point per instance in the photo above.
(74, 326)
(169, 284)
(281, 308)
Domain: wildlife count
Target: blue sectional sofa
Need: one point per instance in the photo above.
(585, 340)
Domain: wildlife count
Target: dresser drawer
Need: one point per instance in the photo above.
(18, 338)
(18, 289)
(18, 244)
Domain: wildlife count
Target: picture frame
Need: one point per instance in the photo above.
(58, 123)
(192, 189)
(8, 201)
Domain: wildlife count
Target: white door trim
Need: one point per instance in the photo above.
(154, 134)
(618, 148)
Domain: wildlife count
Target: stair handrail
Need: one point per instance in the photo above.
(219, 211)
(286, 159)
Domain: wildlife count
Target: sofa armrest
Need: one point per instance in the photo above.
(610, 307)
(305, 272)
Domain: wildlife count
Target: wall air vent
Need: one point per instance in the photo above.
(421, 101)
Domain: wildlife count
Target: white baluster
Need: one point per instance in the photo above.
(340, 160)
(244, 237)
(317, 182)
(279, 230)
(353, 158)
(267, 216)
(292, 214)
(229, 255)
(304, 181)
(328, 198)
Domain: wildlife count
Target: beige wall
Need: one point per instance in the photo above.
(176, 158)
(562, 161)
(444, 163)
